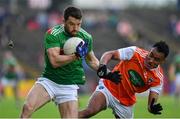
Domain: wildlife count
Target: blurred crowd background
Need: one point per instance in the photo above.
(113, 24)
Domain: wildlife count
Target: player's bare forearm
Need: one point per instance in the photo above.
(58, 60)
(65, 59)
(93, 64)
(151, 96)
(109, 55)
(153, 107)
(92, 61)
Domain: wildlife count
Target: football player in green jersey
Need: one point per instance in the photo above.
(10, 72)
(62, 73)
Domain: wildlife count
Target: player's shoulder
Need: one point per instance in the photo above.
(85, 34)
(54, 31)
(158, 72)
(141, 51)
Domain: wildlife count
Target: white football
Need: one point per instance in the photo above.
(71, 44)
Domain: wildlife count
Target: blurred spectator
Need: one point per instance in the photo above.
(11, 74)
(32, 24)
(90, 20)
(174, 75)
(178, 29)
(54, 19)
(13, 7)
(102, 21)
(5, 28)
(126, 30)
(39, 4)
(42, 19)
(113, 18)
(178, 5)
(166, 85)
(172, 24)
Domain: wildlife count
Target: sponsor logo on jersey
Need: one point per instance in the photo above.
(150, 80)
(135, 78)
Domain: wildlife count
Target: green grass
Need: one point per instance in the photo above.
(8, 109)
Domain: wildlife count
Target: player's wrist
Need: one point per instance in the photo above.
(74, 57)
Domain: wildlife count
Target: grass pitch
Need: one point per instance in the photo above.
(9, 109)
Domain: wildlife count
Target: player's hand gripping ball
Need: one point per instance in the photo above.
(82, 49)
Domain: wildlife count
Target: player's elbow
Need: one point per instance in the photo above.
(53, 61)
(87, 113)
(54, 64)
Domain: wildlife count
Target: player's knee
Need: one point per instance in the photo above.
(28, 108)
(88, 112)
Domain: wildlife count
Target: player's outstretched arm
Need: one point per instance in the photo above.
(104, 72)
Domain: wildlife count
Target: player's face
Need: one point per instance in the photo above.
(154, 58)
(72, 25)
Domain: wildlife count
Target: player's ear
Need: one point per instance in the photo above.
(163, 61)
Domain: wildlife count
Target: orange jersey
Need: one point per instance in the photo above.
(136, 78)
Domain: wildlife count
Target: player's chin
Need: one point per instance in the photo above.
(73, 33)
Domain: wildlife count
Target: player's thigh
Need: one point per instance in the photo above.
(37, 96)
(69, 109)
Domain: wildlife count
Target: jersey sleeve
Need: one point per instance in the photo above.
(90, 44)
(126, 53)
(157, 84)
(51, 41)
(157, 89)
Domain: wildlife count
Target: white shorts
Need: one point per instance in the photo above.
(59, 93)
(177, 80)
(6, 82)
(118, 109)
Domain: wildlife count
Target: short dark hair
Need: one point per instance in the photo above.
(72, 11)
(162, 47)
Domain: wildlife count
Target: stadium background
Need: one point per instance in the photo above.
(113, 24)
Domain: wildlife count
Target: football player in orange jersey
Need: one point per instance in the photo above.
(140, 70)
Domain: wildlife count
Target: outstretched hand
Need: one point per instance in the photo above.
(102, 72)
(82, 49)
(155, 108)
